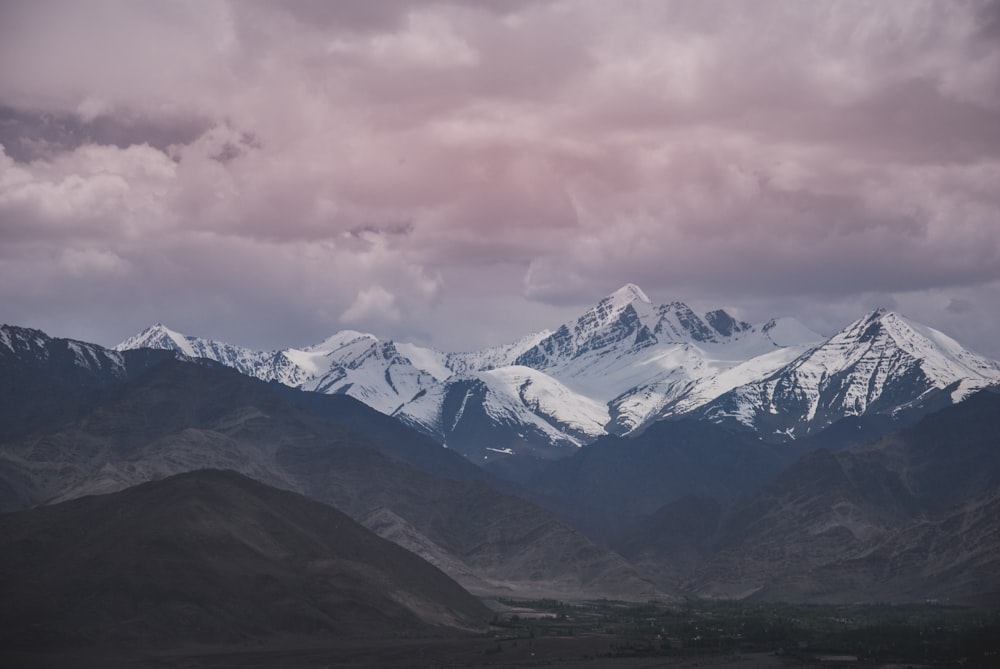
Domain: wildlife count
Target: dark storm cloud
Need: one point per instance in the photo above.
(462, 173)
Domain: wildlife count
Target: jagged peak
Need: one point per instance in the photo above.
(940, 356)
(160, 327)
(157, 331)
(11, 333)
(723, 323)
(628, 294)
(157, 328)
(35, 332)
(873, 322)
(877, 314)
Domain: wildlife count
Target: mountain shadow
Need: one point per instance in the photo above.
(210, 556)
(390, 435)
(46, 382)
(909, 517)
(607, 486)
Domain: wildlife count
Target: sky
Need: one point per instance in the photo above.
(461, 174)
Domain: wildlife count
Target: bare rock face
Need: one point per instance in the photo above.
(952, 554)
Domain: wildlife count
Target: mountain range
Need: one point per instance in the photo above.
(177, 416)
(623, 365)
(699, 503)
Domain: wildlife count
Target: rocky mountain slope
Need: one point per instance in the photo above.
(211, 556)
(179, 416)
(46, 381)
(621, 366)
(912, 516)
(612, 482)
(911, 513)
(159, 336)
(949, 555)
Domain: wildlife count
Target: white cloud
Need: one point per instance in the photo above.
(373, 303)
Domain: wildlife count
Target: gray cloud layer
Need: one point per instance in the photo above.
(459, 174)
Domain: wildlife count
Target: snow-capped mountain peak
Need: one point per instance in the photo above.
(621, 320)
(624, 324)
(941, 358)
(883, 329)
(626, 295)
(624, 363)
(628, 307)
(158, 336)
(881, 363)
(161, 337)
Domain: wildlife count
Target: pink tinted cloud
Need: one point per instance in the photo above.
(376, 162)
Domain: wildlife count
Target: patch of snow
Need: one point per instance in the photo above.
(90, 357)
(309, 361)
(424, 411)
(426, 359)
(549, 399)
(461, 409)
(628, 294)
(491, 358)
(506, 407)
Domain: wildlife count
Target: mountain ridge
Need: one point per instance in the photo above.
(910, 516)
(880, 363)
(622, 365)
(179, 416)
(831, 526)
(211, 556)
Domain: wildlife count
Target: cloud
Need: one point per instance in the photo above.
(458, 173)
(29, 136)
(81, 263)
(960, 306)
(372, 303)
(93, 192)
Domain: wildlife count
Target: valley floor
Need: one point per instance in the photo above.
(568, 653)
(616, 635)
